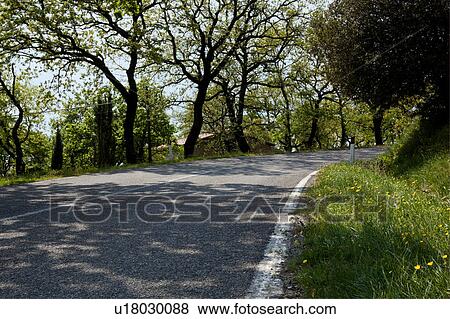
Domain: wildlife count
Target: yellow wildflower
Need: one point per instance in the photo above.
(417, 267)
(305, 261)
(444, 257)
(430, 263)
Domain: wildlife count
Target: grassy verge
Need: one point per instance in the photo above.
(392, 241)
(29, 178)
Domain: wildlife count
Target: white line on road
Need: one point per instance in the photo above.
(266, 282)
(292, 202)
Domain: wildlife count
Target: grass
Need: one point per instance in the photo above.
(67, 172)
(393, 241)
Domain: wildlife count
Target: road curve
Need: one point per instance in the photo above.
(48, 249)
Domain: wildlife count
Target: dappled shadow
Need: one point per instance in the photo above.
(137, 259)
(24, 198)
(125, 256)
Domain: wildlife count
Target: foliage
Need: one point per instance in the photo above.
(403, 256)
(258, 75)
(422, 155)
(106, 143)
(96, 34)
(153, 125)
(80, 131)
(218, 31)
(380, 51)
(22, 143)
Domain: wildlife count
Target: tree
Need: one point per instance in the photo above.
(341, 101)
(99, 34)
(77, 123)
(106, 145)
(280, 78)
(283, 82)
(269, 34)
(216, 122)
(153, 127)
(17, 151)
(314, 88)
(22, 107)
(57, 157)
(92, 128)
(202, 37)
(382, 51)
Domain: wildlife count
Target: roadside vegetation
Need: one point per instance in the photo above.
(93, 86)
(373, 250)
(114, 83)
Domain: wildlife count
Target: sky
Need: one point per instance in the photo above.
(118, 66)
(45, 77)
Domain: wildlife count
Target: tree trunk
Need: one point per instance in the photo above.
(140, 149)
(238, 130)
(149, 136)
(314, 126)
(344, 137)
(132, 103)
(128, 128)
(313, 133)
(57, 156)
(241, 140)
(377, 119)
(236, 124)
(197, 123)
(288, 131)
(103, 120)
(20, 164)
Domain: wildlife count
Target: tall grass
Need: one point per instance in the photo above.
(393, 241)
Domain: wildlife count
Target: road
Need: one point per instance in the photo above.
(193, 250)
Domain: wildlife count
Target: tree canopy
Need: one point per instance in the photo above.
(382, 51)
(128, 80)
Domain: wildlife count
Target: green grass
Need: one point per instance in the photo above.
(370, 250)
(29, 178)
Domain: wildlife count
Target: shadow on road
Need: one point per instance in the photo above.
(137, 259)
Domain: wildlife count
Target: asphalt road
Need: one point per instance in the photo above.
(189, 230)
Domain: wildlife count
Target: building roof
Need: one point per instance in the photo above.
(202, 136)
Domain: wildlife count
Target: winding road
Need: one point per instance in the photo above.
(187, 230)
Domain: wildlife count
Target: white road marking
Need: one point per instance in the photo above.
(266, 282)
(292, 202)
